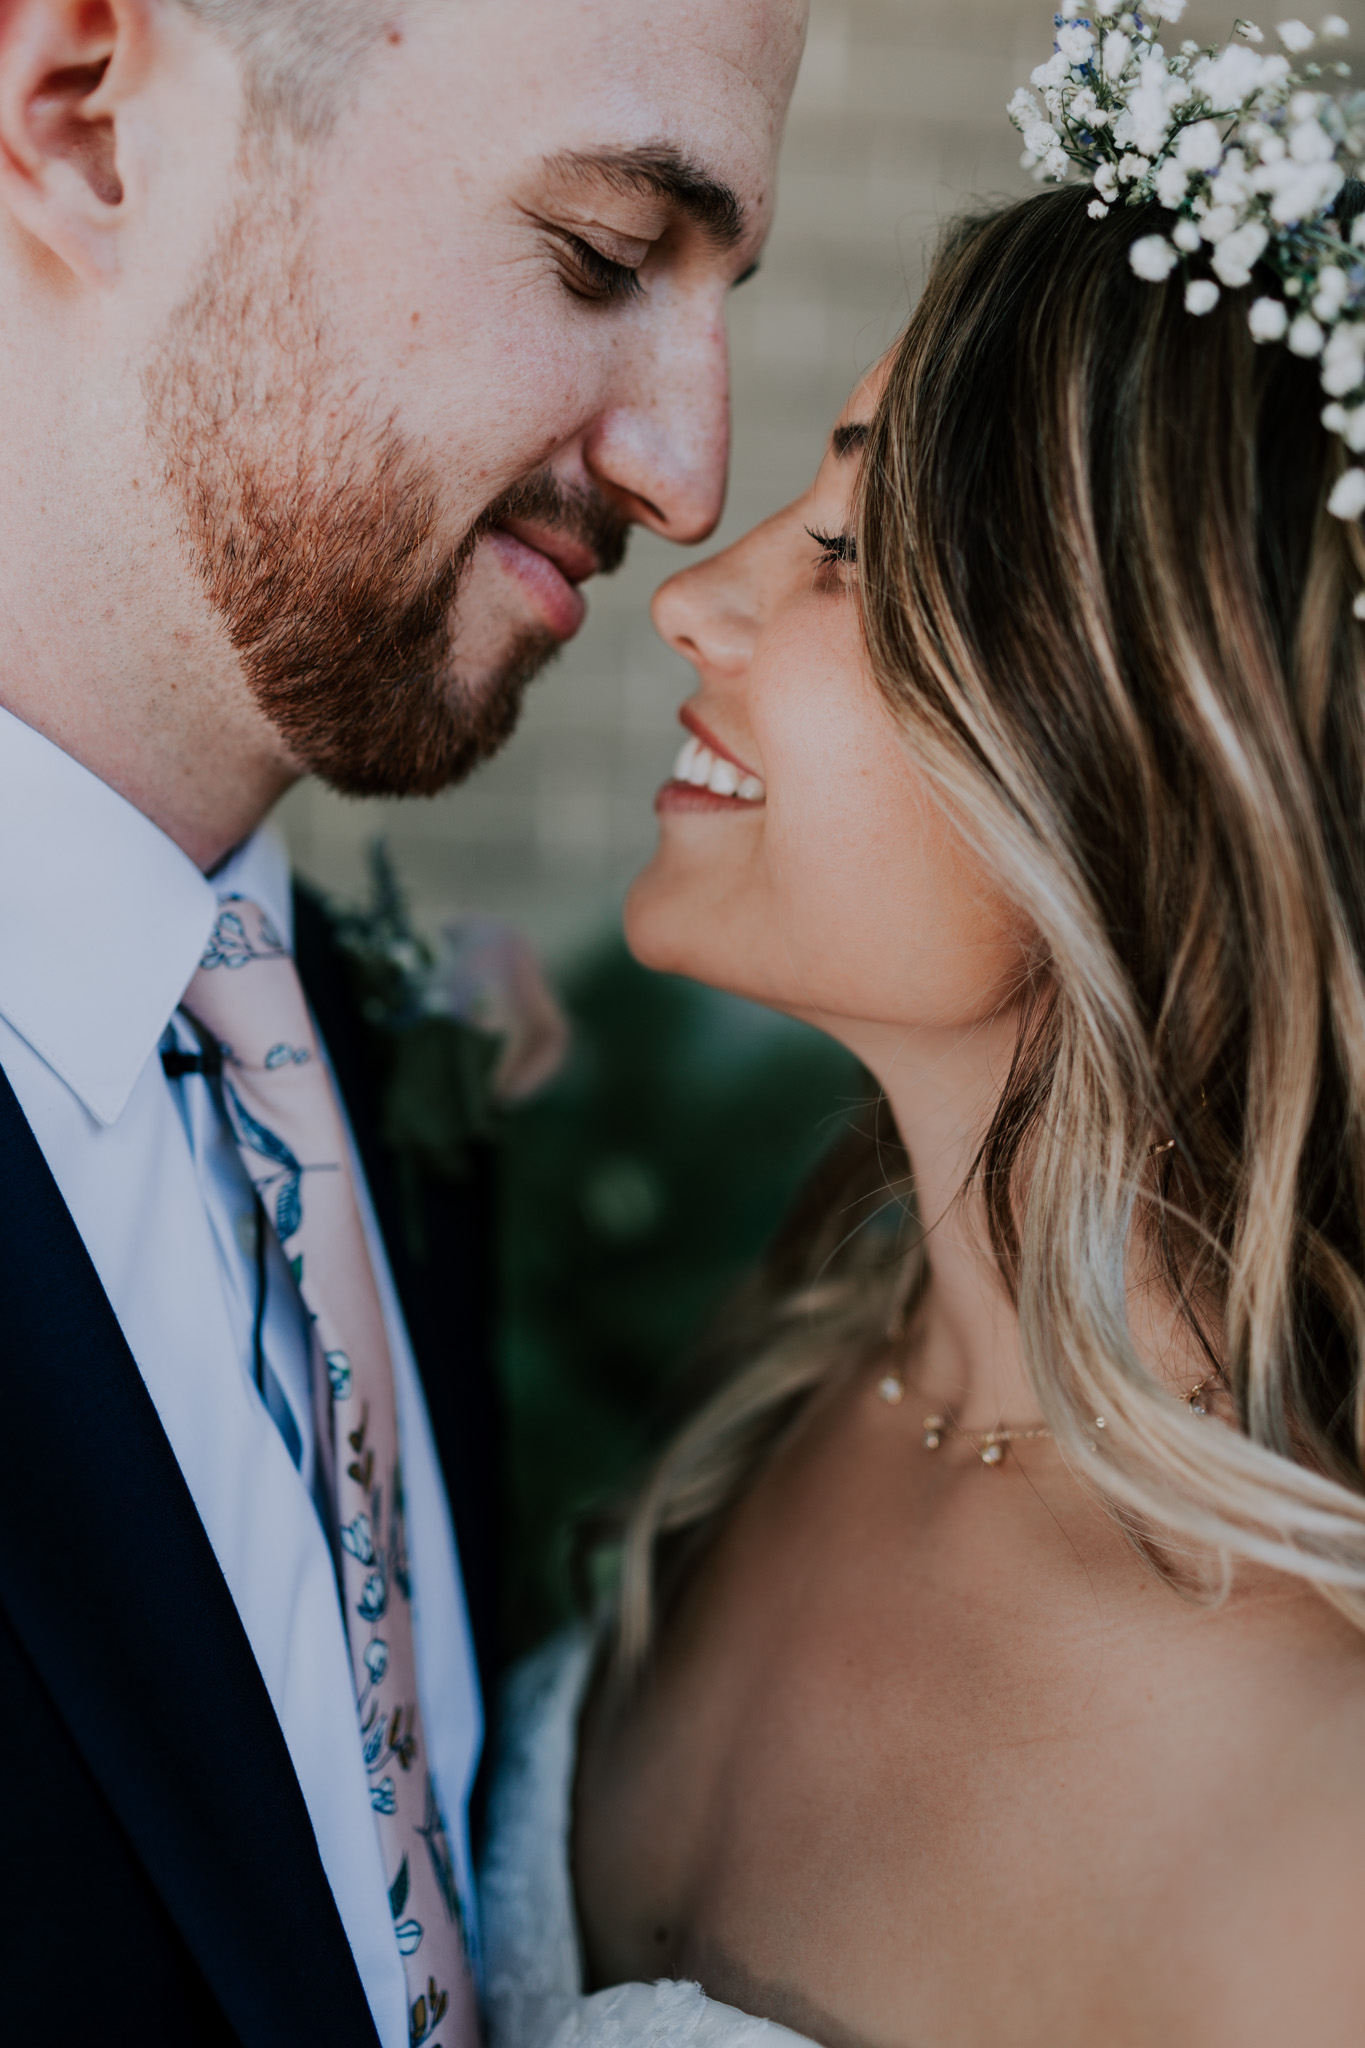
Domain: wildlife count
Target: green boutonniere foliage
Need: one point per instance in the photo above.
(437, 1096)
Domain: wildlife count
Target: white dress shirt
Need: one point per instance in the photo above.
(102, 924)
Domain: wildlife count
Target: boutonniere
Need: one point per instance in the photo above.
(464, 1027)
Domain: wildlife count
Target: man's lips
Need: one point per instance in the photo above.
(547, 566)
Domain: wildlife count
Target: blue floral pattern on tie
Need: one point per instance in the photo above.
(230, 945)
(287, 1182)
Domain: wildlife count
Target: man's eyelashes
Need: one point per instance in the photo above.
(589, 274)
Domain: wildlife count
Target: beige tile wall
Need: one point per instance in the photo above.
(898, 119)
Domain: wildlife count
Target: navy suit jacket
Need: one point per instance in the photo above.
(163, 1885)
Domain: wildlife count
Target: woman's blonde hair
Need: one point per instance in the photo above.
(1106, 602)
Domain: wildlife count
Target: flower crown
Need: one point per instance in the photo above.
(1249, 155)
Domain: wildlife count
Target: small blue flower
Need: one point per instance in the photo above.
(409, 1934)
(376, 1659)
(357, 1539)
(375, 1597)
(374, 1742)
(339, 1373)
(383, 1798)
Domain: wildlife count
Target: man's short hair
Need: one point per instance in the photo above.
(297, 53)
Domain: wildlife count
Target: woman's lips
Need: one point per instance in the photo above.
(707, 781)
(560, 606)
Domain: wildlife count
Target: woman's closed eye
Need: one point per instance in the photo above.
(837, 550)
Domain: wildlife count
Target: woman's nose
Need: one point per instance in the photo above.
(708, 614)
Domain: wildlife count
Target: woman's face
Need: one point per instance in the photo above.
(815, 871)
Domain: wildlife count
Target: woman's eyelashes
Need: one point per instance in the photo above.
(837, 550)
(590, 275)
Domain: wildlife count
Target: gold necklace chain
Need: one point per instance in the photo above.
(991, 1445)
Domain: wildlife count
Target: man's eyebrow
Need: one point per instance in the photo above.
(661, 171)
(850, 439)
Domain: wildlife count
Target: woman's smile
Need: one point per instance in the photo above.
(708, 775)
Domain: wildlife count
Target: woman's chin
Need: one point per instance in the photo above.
(675, 924)
(656, 922)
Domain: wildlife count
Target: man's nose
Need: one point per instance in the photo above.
(663, 448)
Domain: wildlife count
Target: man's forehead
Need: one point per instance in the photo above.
(703, 76)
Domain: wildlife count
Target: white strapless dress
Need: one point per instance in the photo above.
(533, 1964)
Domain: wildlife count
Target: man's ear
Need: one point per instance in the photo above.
(65, 66)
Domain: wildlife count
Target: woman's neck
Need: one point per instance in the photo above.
(964, 1355)
(942, 1087)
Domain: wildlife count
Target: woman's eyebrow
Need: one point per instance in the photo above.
(850, 439)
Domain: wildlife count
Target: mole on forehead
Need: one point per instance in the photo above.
(851, 437)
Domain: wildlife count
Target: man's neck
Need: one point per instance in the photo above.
(201, 763)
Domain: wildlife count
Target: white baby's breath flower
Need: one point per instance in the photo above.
(1305, 336)
(1309, 142)
(1335, 417)
(1168, 10)
(1355, 430)
(1343, 360)
(1054, 72)
(1149, 113)
(1250, 31)
(1152, 258)
(1201, 295)
(1076, 43)
(1085, 108)
(1056, 163)
(1228, 79)
(1185, 235)
(1116, 50)
(1097, 209)
(1041, 137)
(1334, 29)
(1200, 147)
(1334, 288)
(1268, 320)
(1296, 36)
(1023, 108)
(1237, 255)
(1348, 495)
(1218, 223)
(1303, 182)
(1132, 167)
(1172, 182)
(1358, 608)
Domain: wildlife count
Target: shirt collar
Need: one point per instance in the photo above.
(103, 920)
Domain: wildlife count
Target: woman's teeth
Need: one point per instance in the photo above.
(704, 770)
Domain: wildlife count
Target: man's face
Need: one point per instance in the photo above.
(440, 361)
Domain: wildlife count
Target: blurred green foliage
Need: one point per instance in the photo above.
(637, 1190)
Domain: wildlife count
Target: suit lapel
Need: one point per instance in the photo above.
(107, 1575)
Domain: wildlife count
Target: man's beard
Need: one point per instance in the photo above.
(322, 538)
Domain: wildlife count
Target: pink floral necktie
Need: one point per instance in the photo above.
(287, 1122)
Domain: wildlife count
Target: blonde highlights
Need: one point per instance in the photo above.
(1105, 600)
